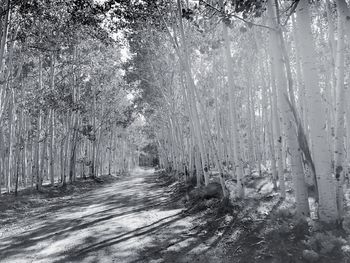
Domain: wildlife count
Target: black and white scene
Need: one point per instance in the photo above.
(174, 131)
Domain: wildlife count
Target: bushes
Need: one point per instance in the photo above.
(325, 243)
(284, 226)
(310, 255)
(283, 214)
(309, 240)
(212, 190)
(316, 238)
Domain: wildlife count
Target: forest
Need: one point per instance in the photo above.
(174, 131)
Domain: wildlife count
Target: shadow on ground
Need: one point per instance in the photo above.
(134, 219)
(110, 223)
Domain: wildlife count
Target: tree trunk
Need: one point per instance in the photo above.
(10, 142)
(52, 125)
(340, 110)
(286, 106)
(233, 117)
(320, 150)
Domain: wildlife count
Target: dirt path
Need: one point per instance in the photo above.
(131, 220)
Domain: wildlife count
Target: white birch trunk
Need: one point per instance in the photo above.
(237, 160)
(320, 150)
(339, 154)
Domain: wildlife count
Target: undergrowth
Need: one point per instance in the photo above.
(307, 240)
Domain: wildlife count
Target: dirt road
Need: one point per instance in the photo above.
(131, 220)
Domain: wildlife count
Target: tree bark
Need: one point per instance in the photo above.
(320, 150)
(340, 110)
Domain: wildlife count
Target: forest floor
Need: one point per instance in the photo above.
(142, 218)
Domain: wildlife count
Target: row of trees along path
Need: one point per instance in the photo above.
(64, 109)
(246, 86)
(230, 86)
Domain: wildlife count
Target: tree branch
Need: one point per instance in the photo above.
(235, 16)
(42, 48)
(292, 8)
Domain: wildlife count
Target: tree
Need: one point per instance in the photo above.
(317, 121)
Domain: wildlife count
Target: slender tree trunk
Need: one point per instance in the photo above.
(286, 105)
(94, 142)
(36, 166)
(25, 152)
(67, 148)
(110, 158)
(3, 34)
(10, 142)
(233, 117)
(43, 153)
(320, 150)
(52, 125)
(273, 149)
(18, 149)
(340, 110)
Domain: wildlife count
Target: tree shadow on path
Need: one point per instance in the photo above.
(92, 216)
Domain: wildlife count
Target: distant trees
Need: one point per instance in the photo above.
(62, 96)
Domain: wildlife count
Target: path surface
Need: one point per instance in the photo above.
(131, 220)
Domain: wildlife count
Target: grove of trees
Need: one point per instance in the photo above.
(65, 107)
(245, 87)
(237, 87)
